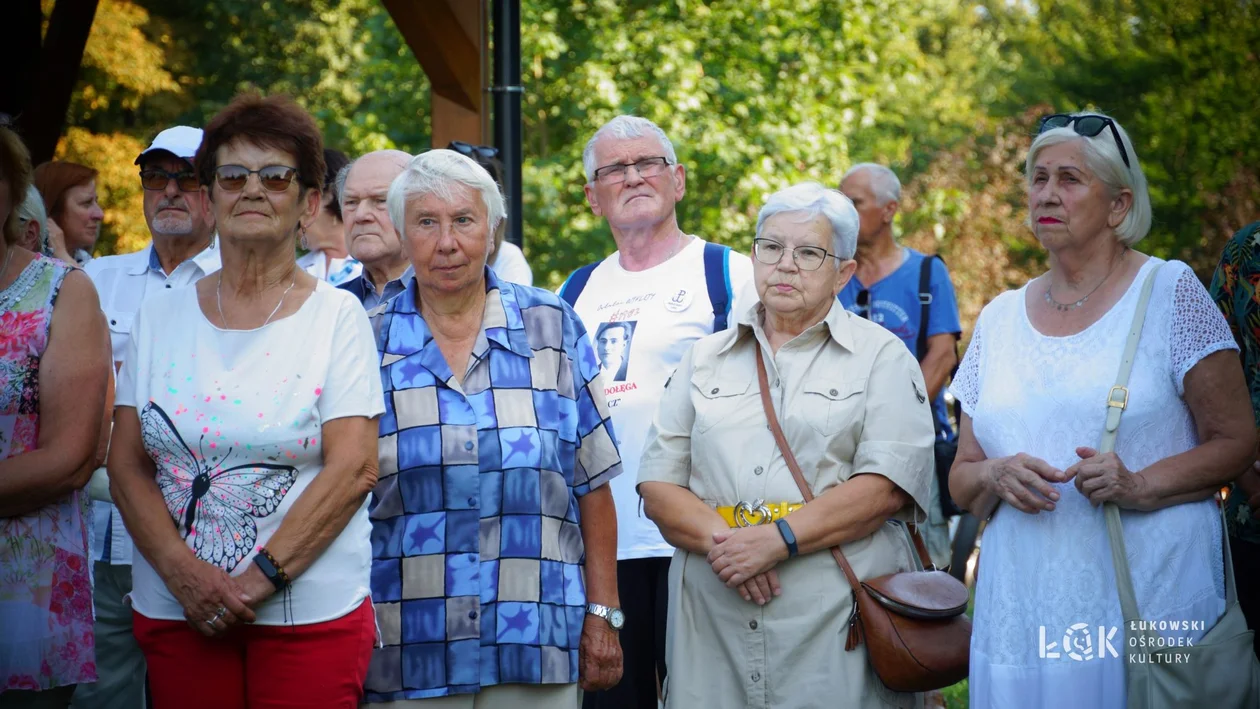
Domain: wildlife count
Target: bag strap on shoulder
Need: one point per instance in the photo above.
(925, 305)
(573, 286)
(1117, 402)
(806, 493)
(717, 280)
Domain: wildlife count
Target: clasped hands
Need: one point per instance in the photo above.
(1025, 482)
(744, 558)
(214, 601)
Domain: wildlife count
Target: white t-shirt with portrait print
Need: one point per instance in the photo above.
(232, 420)
(641, 323)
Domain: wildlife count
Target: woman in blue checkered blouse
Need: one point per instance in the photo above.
(494, 536)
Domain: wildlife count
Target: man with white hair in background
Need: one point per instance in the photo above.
(669, 288)
(362, 187)
(182, 252)
(910, 294)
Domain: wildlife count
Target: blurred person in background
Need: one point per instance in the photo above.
(369, 234)
(911, 295)
(33, 222)
(54, 379)
(69, 192)
(326, 257)
(1234, 288)
(181, 252)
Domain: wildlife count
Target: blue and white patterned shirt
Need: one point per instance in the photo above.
(477, 569)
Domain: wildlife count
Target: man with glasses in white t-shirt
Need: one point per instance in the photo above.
(661, 290)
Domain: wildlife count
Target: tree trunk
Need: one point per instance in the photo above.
(44, 114)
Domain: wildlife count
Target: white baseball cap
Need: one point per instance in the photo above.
(180, 141)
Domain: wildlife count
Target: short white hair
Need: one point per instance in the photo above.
(1102, 158)
(32, 208)
(811, 199)
(625, 127)
(438, 172)
(884, 182)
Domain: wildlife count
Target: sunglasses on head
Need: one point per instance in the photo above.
(152, 178)
(485, 152)
(1087, 125)
(274, 178)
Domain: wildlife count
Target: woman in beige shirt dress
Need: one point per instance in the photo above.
(750, 623)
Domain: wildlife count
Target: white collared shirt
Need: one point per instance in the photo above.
(123, 282)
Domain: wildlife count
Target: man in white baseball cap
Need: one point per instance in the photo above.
(183, 251)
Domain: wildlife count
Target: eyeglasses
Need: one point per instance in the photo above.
(806, 258)
(616, 174)
(1087, 125)
(156, 180)
(274, 178)
(485, 152)
(864, 303)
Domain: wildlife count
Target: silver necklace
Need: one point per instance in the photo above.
(218, 299)
(1067, 307)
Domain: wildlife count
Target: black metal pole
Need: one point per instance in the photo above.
(507, 107)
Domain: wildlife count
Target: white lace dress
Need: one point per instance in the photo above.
(1044, 396)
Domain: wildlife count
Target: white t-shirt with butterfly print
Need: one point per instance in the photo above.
(232, 421)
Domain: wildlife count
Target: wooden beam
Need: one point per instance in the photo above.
(45, 115)
(449, 54)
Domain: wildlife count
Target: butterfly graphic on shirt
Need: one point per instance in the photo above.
(213, 506)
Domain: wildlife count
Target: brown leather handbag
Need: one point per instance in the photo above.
(917, 634)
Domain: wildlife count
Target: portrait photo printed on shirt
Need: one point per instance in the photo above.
(612, 345)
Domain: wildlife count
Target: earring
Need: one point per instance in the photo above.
(302, 238)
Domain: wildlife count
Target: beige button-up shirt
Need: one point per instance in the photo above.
(851, 400)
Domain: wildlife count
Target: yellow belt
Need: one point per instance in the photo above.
(749, 514)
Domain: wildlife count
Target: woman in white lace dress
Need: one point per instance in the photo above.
(1034, 387)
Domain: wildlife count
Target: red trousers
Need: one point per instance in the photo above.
(259, 666)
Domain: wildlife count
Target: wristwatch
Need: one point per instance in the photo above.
(614, 616)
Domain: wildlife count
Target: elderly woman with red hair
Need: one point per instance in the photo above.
(69, 192)
(244, 444)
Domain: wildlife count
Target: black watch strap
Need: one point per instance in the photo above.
(273, 574)
(788, 537)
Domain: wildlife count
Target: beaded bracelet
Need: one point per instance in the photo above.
(275, 573)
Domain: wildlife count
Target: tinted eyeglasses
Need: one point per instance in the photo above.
(274, 178)
(485, 152)
(154, 179)
(806, 258)
(616, 174)
(1088, 125)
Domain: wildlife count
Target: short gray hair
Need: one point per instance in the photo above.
(339, 182)
(884, 182)
(32, 208)
(436, 172)
(625, 127)
(1102, 157)
(811, 199)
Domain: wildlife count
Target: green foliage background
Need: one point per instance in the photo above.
(756, 94)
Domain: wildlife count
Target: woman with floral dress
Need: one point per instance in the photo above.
(54, 373)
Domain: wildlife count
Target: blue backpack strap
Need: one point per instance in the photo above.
(576, 283)
(717, 279)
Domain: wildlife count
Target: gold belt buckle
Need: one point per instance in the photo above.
(744, 512)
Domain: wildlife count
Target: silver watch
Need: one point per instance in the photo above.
(614, 616)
